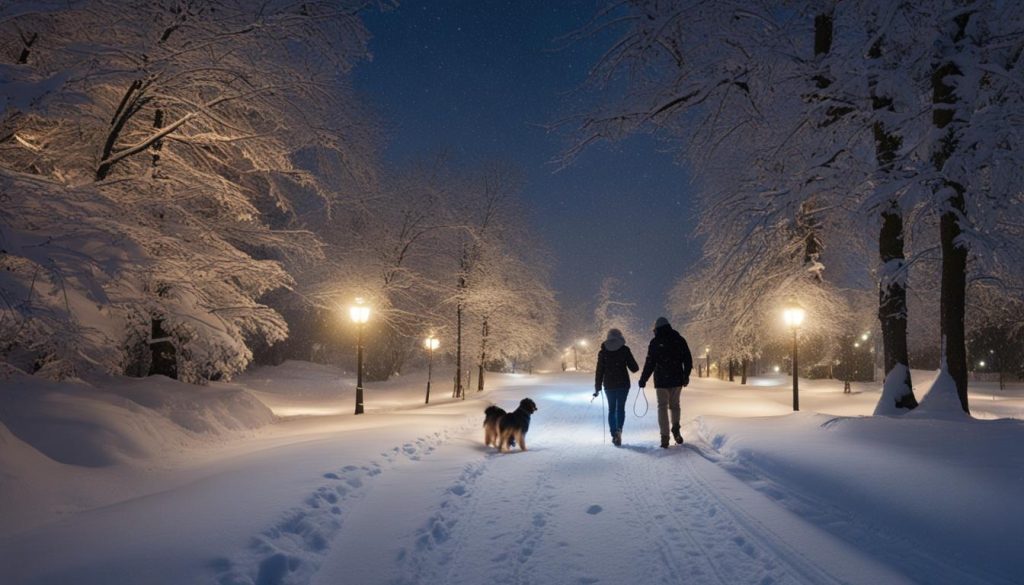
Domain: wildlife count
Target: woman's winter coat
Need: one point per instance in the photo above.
(611, 367)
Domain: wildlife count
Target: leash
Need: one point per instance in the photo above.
(604, 419)
(604, 434)
(647, 405)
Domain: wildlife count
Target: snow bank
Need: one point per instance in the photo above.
(114, 419)
(893, 390)
(941, 401)
(949, 486)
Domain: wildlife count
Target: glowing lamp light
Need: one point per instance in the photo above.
(359, 312)
(582, 342)
(793, 315)
(856, 344)
(982, 363)
(776, 368)
(431, 343)
(864, 337)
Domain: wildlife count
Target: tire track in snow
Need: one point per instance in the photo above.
(292, 550)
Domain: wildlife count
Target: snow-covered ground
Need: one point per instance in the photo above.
(270, 479)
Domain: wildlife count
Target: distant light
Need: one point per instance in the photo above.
(856, 344)
(431, 343)
(982, 363)
(776, 368)
(582, 342)
(864, 337)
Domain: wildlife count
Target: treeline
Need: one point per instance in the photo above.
(177, 177)
(861, 158)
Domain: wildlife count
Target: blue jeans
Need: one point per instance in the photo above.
(616, 409)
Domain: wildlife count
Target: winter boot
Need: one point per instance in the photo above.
(664, 441)
(677, 435)
(617, 438)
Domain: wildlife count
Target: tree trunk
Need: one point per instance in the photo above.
(892, 282)
(26, 49)
(165, 360)
(457, 390)
(463, 263)
(731, 362)
(807, 222)
(953, 287)
(483, 357)
(743, 371)
(124, 112)
(158, 123)
(892, 300)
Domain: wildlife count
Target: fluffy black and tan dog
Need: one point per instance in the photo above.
(504, 429)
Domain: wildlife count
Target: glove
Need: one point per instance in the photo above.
(596, 392)
(686, 381)
(642, 384)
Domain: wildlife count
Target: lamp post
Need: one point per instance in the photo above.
(793, 315)
(430, 343)
(360, 314)
(707, 361)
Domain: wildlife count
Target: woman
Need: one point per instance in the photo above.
(612, 362)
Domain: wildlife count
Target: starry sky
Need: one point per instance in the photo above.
(482, 80)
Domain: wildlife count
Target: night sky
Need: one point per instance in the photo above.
(481, 80)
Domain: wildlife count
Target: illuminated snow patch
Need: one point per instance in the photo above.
(570, 397)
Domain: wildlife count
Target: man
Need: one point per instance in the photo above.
(669, 359)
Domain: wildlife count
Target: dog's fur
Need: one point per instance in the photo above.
(492, 414)
(504, 429)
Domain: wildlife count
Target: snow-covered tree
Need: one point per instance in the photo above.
(185, 121)
(800, 116)
(613, 311)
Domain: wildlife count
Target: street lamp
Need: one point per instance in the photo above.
(793, 315)
(360, 314)
(430, 343)
(707, 361)
(575, 355)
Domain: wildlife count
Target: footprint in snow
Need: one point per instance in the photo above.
(595, 509)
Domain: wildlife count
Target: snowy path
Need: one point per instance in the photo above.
(575, 510)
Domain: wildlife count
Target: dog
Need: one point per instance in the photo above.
(504, 429)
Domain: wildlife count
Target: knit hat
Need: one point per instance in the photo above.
(615, 340)
(661, 322)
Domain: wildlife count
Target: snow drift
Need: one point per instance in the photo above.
(115, 419)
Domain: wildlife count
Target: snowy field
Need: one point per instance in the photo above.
(270, 480)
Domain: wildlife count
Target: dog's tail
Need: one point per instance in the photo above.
(493, 411)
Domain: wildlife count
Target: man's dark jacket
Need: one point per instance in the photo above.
(668, 358)
(611, 368)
